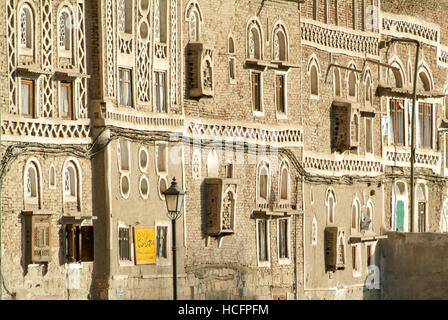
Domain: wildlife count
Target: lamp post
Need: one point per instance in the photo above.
(174, 197)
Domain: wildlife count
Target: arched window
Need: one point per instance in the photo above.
(351, 84)
(232, 63)
(26, 25)
(284, 182)
(228, 214)
(369, 215)
(264, 181)
(31, 183)
(425, 82)
(213, 164)
(400, 198)
(355, 216)
(52, 177)
(444, 218)
(420, 197)
(193, 26)
(330, 202)
(368, 90)
(254, 41)
(70, 183)
(65, 27)
(355, 128)
(314, 77)
(231, 46)
(123, 154)
(336, 82)
(280, 44)
(397, 74)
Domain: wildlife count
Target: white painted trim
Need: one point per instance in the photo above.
(164, 261)
(264, 264)
(145, 151)
(125, 263)
(281, 115)
(284, 261)
(144, 196)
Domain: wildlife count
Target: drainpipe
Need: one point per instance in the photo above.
(296, 275)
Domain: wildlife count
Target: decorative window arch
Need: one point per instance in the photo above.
(193, 15)
(65, 31)
(425, 78)
(398, 75)
(26, 34)
(70, 182)
(336, 82)
(355, 215)
(284, 181)
(254, 39)
(330, 202)
(32, 182)
(399, 206)
(280, 46)
(352, 81)
(263, 181)
(368, 91)
(313, 70)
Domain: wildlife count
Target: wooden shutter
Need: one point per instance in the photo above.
(87, 243)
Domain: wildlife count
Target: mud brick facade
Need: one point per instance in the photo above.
(287, 123)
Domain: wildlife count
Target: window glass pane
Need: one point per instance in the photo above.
(127, 91)
(420, 126)
(25, 99)
(121, 93)
(400, 124)
(64, 101)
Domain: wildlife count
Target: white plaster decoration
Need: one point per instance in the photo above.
(339, 39)
(281, 136)
(59, 132)
(143, 55)
(12, 58)
(144, 187)
(397, 25)
(82, 62)
(173, 53)
(338, 165)
(423, 159)
(110, 54)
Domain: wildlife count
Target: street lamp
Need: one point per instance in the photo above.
(174, 198)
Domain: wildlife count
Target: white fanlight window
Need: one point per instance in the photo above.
(65, 30)
(264, 181)
(26, 31)
(70, 183)
(31, 183)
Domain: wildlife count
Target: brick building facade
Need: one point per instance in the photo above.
(286, 122)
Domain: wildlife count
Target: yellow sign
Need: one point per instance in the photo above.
(145, 245)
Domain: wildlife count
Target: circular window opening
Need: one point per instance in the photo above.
(144, 187)
(124, 186)
(143, 160)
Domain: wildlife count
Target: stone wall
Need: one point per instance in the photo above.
(414, 266)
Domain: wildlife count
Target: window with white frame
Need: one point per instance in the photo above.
(283, 240)
(160, 87)
(280, 93)
(264, 182)
(256, 92)
(280, 44)
(355, 216)
(125, 256)
(66, 106)
(356, 260)
(27, 101)
(263, 252)
(425, 125)
(125, 87)
(70, 183)
(284, 183)
(65, 29)
(352, 83)
(254, 41)
(26, 31)
(330, 202)
(31, 183)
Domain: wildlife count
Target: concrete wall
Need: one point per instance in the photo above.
(414, 266)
